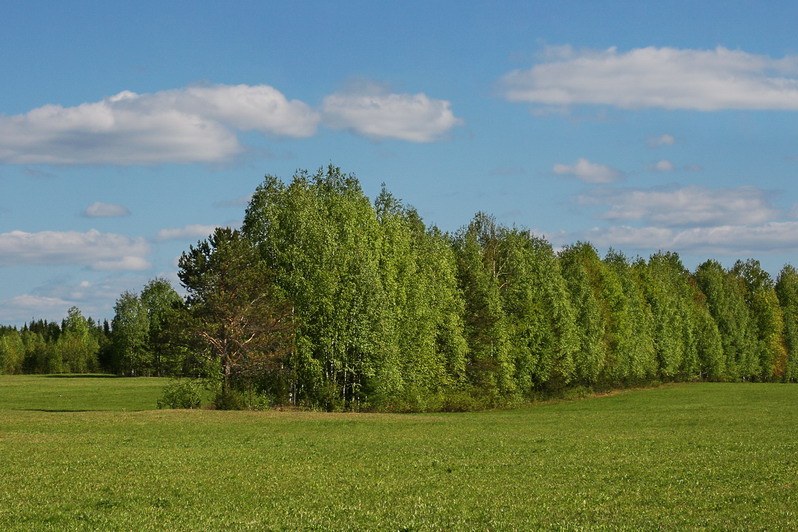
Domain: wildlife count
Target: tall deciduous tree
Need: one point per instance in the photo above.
(787, 291)
(78, 346)
(130, 336)
(12, 351)
(481, 272)
(763, 302)
(160, 301)
(725, 295)
(632, 327)
(540, 320)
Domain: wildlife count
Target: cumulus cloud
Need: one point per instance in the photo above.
(96, 250)
(588, 172)
(684, 206)
(202, 124)
(732, 240)
(372, 112)
(99, 209)
(665, 139)
(189, 232)
(196, 124)
(669, 78)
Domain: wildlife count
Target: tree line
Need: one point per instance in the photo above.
(325, 298)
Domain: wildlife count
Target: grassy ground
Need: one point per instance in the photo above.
(698, 456)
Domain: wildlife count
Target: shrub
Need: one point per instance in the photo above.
(182, 393)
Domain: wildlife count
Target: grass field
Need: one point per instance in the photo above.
(80, 453)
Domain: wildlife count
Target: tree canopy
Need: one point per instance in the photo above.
(329, 299)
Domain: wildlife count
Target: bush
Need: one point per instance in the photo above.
(234, 399)
(182, 393)
(229, 400)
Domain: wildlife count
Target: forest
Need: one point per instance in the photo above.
(327, 299)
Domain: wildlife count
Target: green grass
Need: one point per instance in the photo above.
(69, 393)
(698, 456)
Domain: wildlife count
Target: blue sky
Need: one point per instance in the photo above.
(129, 130)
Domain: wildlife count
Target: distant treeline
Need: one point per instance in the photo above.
(388, 313)
(76, 345)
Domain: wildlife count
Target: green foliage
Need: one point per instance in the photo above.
(632, 324)
(726, 300)
(12, 352)
(590, 296)
(161, 303)
(480, 271)
(787, 291)
(130, 336)
(669, 293)
(373, 292)
(77, 345)
(325, 299)
(183, 393)
(540, 319)
(760, 294)
(233, 311)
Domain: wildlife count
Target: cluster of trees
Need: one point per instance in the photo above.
(140, 340)
(388, 311)
(76, 345)
(325, 298)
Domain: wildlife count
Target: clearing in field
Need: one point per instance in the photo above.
(91, 453)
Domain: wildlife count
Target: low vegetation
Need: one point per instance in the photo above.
(81, 454)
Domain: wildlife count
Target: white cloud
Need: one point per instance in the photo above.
(372, 112)
(588, 172)
(669, 78)
(99, 209)
(686, 206)
(196, 124)
(98, 251)
(189, 232)
(735, 240)
(665, 139)
(661, 166)
(202, 124)
(246, 108)
(50, 301)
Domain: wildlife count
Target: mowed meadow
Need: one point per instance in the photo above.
(93, 453)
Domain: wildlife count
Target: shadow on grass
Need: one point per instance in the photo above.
(56, 410)
(82, 376)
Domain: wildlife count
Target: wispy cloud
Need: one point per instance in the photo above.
(52, 300)
(669, 78)
(93, 249)
(189, 232)
(734, 240)
(684, 206)
(99, 209)
(662, 165)
(588, 172)
(27, 307)
(666, 139)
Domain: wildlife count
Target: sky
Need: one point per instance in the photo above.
(129, 130)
